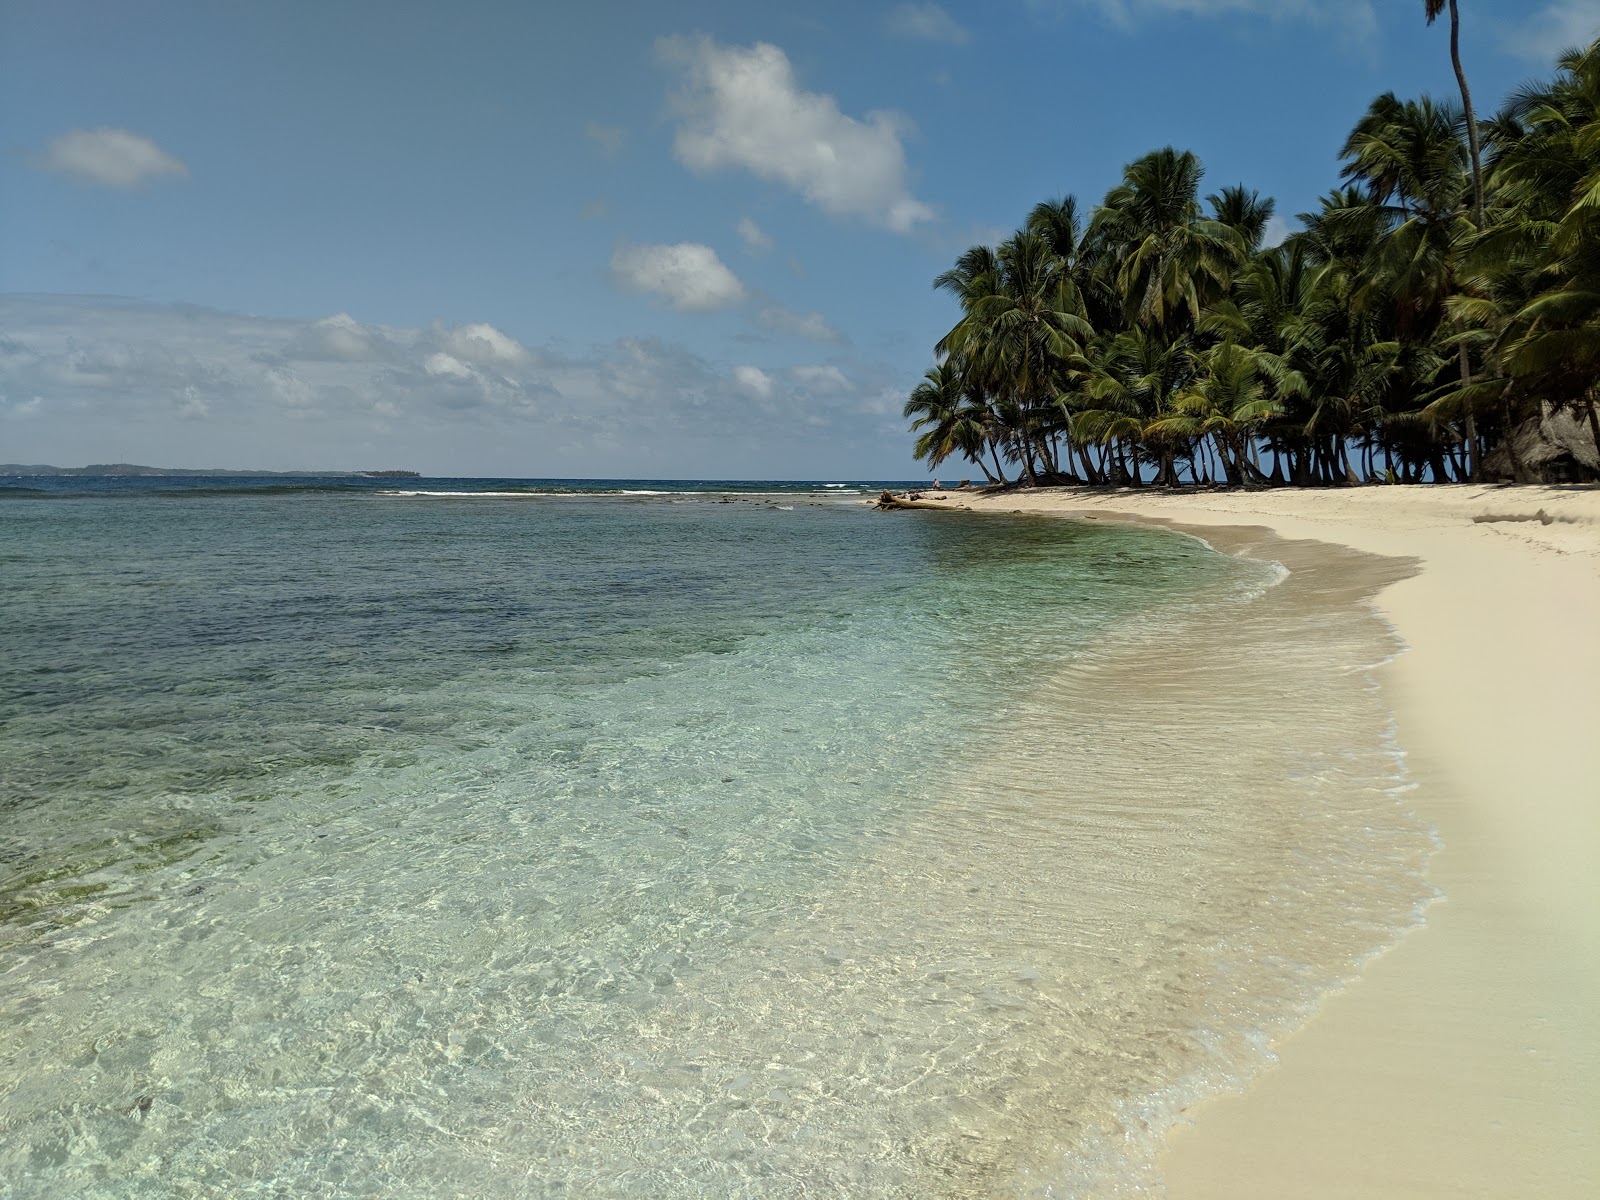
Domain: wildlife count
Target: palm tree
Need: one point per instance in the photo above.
(1411, 157)
(1170, 259)
(1244, 211)
(1544, 294)
(1233, 392)
(950, 420)
(1021, 331)
(1449, 287)
(1434, 8)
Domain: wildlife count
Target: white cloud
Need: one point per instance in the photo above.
(102, 380)
(928, 22)
(1355, 17)
(441, 364)
(742, 107)
(608, 139)
(1560, 25)
(1278, 228)
(811, 325)
(339, 338)
(115, 158)
(820, 378)
(483, 344)
(687, 275)
(690, 278)
(753, 236)
(755, 381)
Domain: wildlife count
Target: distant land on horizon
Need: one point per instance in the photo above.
(103, 469)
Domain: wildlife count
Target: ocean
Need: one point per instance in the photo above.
(505, 838)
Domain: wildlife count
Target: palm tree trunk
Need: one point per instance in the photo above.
(1089, 472)
(1025, 445)
(999, 470)
(1229, 470)
(1472, 424)
(1518, 471)
(1472, 121)
(1594, 421)
(1130, 471)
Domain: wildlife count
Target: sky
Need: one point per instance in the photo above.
(664, 239)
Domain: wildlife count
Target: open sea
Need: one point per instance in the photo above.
(509, 838)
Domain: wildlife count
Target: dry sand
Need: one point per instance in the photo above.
(1465, 1060)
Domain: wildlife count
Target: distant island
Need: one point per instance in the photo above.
(103, 469)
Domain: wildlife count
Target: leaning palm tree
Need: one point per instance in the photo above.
(1434, 8)
(949, 420)
(1022, 328)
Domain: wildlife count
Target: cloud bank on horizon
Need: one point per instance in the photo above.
(157, 381)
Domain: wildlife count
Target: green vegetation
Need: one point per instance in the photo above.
(1435, 320)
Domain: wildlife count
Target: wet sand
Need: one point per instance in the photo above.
(1465, 1060)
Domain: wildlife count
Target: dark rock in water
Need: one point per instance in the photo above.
(1554, 447)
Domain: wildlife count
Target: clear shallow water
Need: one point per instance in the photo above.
(697, 843)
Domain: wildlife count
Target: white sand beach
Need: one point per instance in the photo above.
(1465, 1060)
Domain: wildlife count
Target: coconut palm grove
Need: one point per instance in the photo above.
(1437, 319)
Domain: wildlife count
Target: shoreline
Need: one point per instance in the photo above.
(1464, 1059)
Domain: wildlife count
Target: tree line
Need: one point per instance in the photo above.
(1443, 297)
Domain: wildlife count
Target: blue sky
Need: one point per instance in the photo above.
(605, 239)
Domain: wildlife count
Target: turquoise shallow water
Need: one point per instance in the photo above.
(638, 844)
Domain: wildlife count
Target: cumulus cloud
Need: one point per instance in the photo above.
(1557, 26)
(114, 158)
(480, 343)
(339, 338)
(441, 364)
(687, 275)
(928, 22)
(101, 380)
(743, 107)
(752, 235)
(755, 381)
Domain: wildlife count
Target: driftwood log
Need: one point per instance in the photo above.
(888, 500)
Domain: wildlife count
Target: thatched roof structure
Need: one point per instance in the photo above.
(1554, 447)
